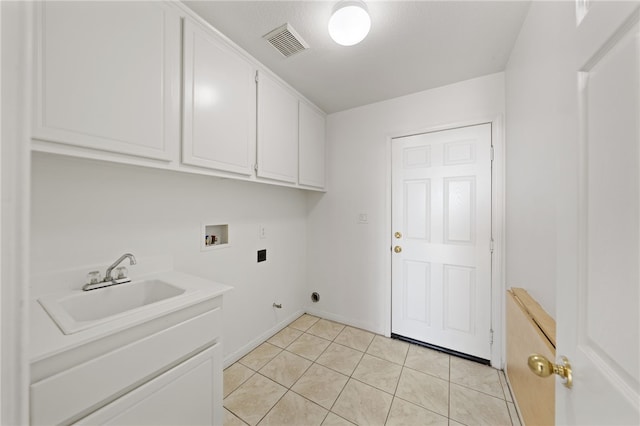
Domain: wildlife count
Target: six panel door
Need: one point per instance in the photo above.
(441, 214)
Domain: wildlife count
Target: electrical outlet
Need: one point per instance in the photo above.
(262, 232)
(363, 218)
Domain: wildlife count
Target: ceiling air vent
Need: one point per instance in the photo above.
(286, 40)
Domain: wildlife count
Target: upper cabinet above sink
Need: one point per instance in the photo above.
(219, 130)
(152, 84)
(108, 77)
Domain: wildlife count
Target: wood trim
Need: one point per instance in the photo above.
(537, 314)
(534, 396)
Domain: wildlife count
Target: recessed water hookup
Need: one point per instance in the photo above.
(277, 305)
(315, 297)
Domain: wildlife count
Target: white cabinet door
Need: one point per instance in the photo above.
(188, 394)
(219, 104)
(277, 131)
(108, 76)
(311, 145)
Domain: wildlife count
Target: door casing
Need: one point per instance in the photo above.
(497, 226)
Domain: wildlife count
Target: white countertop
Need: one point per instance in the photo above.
(46, 339)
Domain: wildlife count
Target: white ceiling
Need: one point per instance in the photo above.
(412, 46)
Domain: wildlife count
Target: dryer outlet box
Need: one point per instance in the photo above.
(262, 255)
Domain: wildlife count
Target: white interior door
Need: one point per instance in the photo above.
(599, 297)
(441, 220)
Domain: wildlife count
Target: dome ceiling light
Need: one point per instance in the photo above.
(349, 23)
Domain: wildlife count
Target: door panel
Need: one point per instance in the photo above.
(441, 190)
(599, 323)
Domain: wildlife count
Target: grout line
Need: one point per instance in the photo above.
(449, 404)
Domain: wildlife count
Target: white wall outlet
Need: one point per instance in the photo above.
(262, 232)
(363, 218)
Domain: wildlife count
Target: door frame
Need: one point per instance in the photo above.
(498, 287)
(15, 172)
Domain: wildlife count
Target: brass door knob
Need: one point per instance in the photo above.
(398, 235)
(397, 249)
(542, 367)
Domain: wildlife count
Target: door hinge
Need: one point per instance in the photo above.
(257, 78)
(491, 245)
(492, 153)
(255, 167)
(491, 337)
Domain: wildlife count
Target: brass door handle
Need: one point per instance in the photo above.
(542, 367)
(397, 249)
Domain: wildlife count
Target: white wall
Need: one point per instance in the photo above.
(349, 263)
(541, 133)
(88, 212)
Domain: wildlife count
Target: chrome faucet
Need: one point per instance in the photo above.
(108, 279)
(132, 261)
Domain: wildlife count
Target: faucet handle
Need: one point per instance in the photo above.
(94, 277)
(120, 272)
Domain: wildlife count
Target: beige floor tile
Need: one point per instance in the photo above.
(326, 329)
(404, 413)
(425, 390)
(454, 423)
(390, 349)
(254, 398)
(304, 322)
(335, 420)
(285, 368)
(477, 408)
(285, 337)
(308, 346)
(363, 404)
(257, 358)
(515, 419)
(340, 358)
(295, 410)
(235, 375)
(505, 386)
(428, 361)
(355, 338)
(231, 420)
(321, 385)
(378, 373)
(476, 376)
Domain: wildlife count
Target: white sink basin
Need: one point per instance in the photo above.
(80, 310)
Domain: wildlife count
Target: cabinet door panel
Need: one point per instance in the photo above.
(108, 76)
(312, 143)
(188, 394)
(219, 104)
(277, 131)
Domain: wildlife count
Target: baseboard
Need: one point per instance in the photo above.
(343, 320)
(234, 356)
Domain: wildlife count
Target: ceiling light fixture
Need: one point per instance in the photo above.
(349, 23)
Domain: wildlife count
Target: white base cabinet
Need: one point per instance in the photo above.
(170, 365)
(181, 396)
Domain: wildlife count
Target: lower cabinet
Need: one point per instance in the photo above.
(167, 371)
(181, 396)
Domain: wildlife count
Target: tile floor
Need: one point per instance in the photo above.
(319, 372)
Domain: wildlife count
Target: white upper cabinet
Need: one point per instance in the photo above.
(277, 131)
(108, 76)
(311, 145)
(219, 128)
